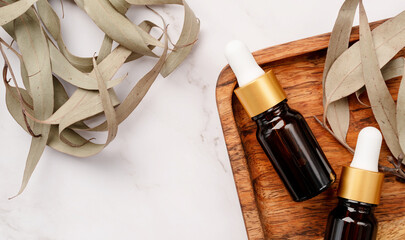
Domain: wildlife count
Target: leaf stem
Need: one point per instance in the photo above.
(344, 144)
(397, 170)
(20, 98)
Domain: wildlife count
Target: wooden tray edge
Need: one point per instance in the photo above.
(224, 89)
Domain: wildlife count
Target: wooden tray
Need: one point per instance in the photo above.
(268, 211)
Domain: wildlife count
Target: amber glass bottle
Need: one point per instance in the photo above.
(351, 220)
(358, 192)
(293, 151)
(282, 132)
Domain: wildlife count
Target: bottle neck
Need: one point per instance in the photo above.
(278, 110)
(356, 207)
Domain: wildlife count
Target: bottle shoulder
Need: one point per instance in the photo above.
(357, 215)
(290, 117)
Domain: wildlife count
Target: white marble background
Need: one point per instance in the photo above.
(167, 174)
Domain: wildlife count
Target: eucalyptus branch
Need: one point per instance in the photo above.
(344, 144)
(397, 170)
(20, 97)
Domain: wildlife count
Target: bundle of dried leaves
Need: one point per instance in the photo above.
(43, 108)
(365, 66)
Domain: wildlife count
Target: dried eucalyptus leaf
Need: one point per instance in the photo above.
(113, 62)
(381, 101)
(107, 105)
(60, 98)
(400, 111)
(83, 103)
(60, 95)
(120, 5)
(392, 69)
(24, 76)
(340, 36)
(79, 3)
(337, 113)
(147, 27)
(63, 69)
(345, 76)
(109, 111)
(106, 48)
(119, 28)
(86, 150)
(52, 23)
(137, 93)
(45, 108)
(14, 107)
(9, 28)
(13, 10)
(154, 2)
(188, 36)
(53, 141)
(358, 95)
(338, 116)
(35, 52)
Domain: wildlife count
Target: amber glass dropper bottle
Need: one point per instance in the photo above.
(282, 132)
(359, 192)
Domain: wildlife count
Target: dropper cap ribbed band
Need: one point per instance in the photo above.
(258, 91)
(261, 94)
(361, 181)
(360, 185)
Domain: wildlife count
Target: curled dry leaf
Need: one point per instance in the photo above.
(400, 111)
(138, 92)
(346, 75)
(52, 23)
(393, 69)
(188, 36)
(119, 28)
(13, 10)
(44, 109)
(34, 49)
(380, 98)
(366, 66)
(337, 112)
(62, 68)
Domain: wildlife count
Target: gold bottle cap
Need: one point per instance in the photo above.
(360, 185)
(261, 94)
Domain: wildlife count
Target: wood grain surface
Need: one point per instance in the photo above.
(268, 211)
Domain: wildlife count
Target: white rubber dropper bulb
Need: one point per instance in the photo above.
(367, 149)
(242, 62)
